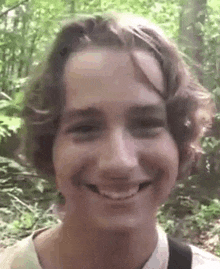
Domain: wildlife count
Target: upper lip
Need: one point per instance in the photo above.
(118, 187)
(118, 183)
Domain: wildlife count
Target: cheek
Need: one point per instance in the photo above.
(164, 157)
(68, 163)
(169, 162)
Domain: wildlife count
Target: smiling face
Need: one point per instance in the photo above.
(114, 158)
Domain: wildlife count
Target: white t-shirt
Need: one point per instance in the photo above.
(23, 255)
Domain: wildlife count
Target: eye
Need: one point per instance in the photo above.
(147, 127)
(84, 131)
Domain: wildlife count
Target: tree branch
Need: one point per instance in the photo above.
(13, 7)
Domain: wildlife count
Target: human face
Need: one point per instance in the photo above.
(114, 158)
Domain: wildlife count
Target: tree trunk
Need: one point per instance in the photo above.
(72, 5)
(192, 19)
(3, 59)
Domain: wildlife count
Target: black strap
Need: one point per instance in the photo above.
(180, 256)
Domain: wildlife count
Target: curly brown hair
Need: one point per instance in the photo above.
(190, 108)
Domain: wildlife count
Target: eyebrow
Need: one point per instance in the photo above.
(90, 112)
(80, 113)
(156, 109)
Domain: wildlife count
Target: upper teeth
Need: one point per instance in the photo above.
(117, 195)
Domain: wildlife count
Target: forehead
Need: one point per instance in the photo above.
(104, 62)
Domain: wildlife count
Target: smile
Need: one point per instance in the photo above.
(116, 193)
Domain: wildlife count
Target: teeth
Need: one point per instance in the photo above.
(118, 191)
(119, 195)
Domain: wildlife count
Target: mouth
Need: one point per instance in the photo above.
(121, 192)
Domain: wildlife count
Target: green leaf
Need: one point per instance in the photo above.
(4, 104)
(39, 186)
(11, 123)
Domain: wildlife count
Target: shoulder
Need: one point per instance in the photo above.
(21, 255)
(203, 259)
(15, 254)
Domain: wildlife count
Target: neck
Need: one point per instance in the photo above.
(87, 247)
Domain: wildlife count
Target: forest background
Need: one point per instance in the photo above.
(27, 28)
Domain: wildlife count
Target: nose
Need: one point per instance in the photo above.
(118, 157)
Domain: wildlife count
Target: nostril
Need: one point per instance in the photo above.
(92, 187)
(144, 185)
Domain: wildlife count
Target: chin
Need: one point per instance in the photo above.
(122, 223)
